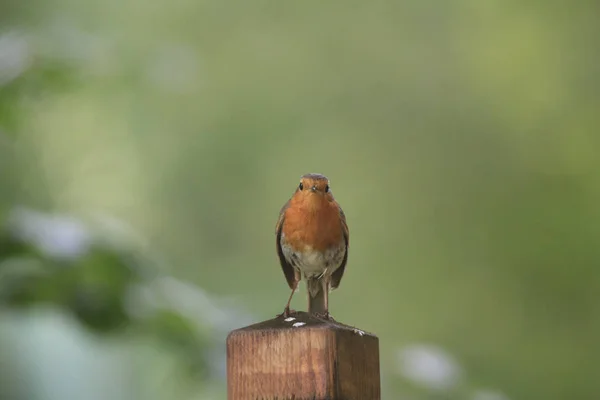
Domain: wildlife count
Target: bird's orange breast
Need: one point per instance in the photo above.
(312, 222)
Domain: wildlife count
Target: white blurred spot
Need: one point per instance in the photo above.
(298, 324)
(66, 41)
(57, 236)
(189, 300)
(116, 233)
(429, 366)
(289, 319)
(15, 56)
(52, 349)
(359, 332)
(488, 395)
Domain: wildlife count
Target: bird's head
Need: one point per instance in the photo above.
(314, 188)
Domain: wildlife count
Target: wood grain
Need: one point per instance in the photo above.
(313, 360)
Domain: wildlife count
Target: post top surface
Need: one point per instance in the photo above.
(299, 320)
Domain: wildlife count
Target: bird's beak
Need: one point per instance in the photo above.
(314, 188)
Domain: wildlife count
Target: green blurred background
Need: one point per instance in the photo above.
(146, 148)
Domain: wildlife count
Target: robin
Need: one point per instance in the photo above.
(312, 242)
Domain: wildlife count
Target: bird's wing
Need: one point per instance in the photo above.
(336, 277)
(288, 270)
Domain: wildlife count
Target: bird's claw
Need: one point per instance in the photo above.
(286, 313)
(325, 316)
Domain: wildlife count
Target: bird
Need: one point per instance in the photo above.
(312, 242)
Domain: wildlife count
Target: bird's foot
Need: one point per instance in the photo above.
(287, 312)
(325, 316)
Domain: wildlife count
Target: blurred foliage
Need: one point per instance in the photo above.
(461, 139)
(54, 262)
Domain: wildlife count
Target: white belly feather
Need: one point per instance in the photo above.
(312, 262)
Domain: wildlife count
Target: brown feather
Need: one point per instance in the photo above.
(336, 277)
(312, 219)
(291, 275)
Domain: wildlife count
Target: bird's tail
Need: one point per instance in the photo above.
(318, 296)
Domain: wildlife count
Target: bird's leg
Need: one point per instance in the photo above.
(325, 289)
(286, 310)
(325, 292)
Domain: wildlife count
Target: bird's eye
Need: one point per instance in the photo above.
(300, 186)
(327, 189)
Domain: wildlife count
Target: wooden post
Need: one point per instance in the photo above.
(302, 358)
